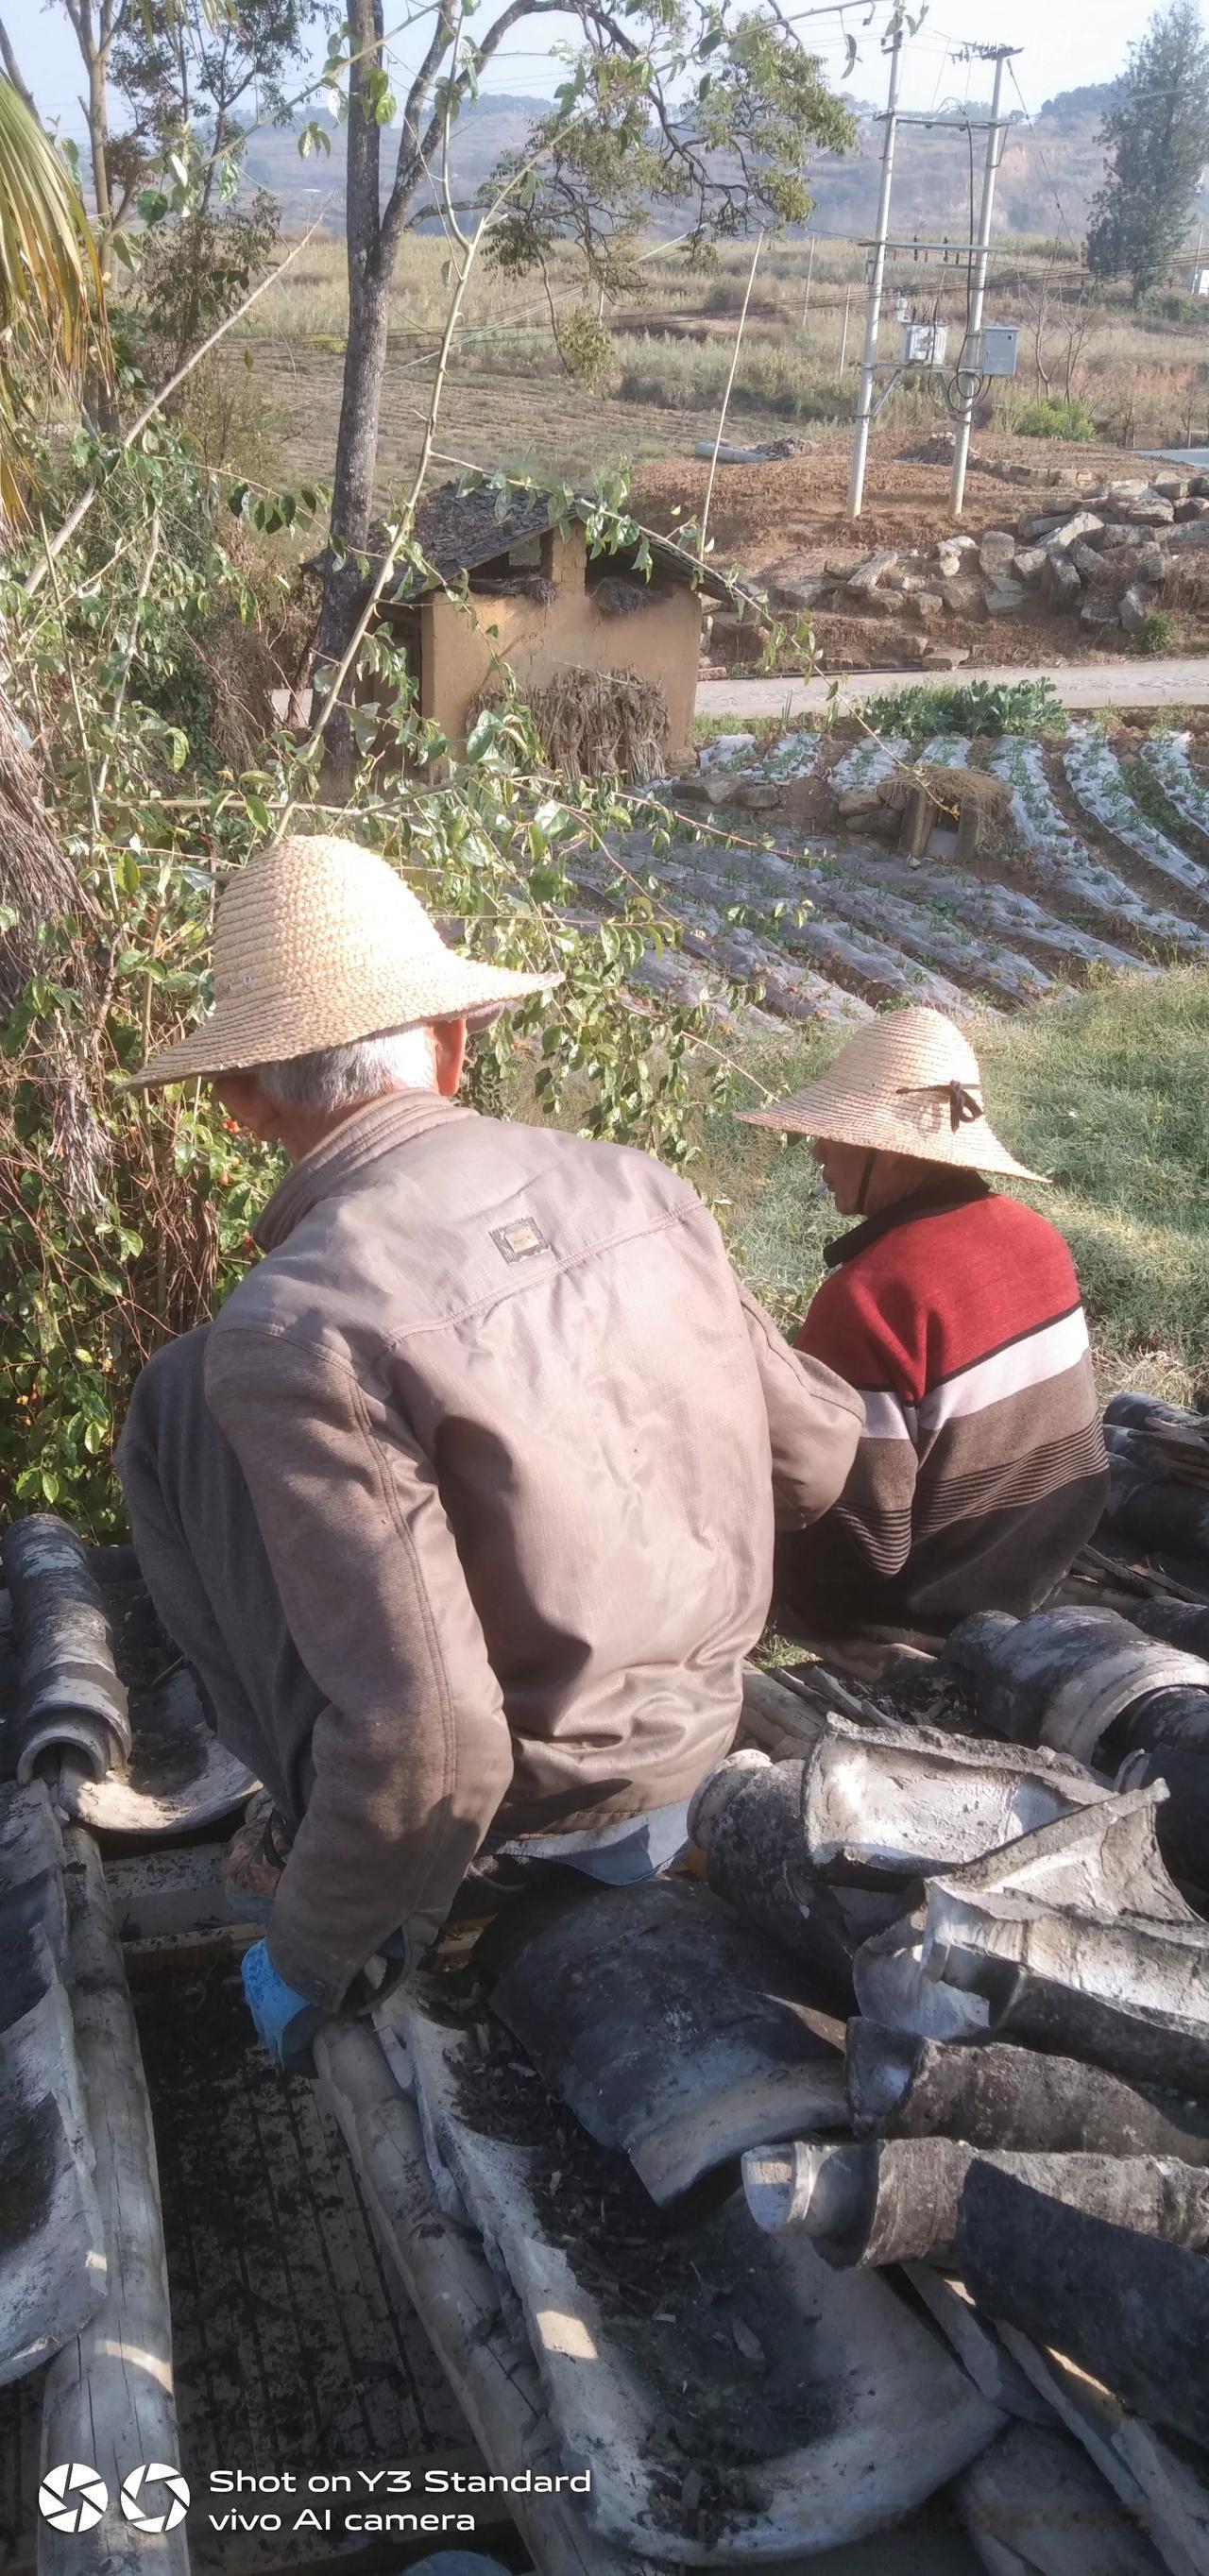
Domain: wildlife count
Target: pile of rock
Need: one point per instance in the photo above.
(1102, 555)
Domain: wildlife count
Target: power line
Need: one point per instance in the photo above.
(1040, 149)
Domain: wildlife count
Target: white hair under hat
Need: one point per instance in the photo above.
(907, 1083)
(318, 942)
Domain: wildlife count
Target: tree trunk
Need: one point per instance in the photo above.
(98, 139)
(101, 390)
(356, 453)
(353, 490)
(364, 367)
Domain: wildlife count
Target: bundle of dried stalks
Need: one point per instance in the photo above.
(592, 723)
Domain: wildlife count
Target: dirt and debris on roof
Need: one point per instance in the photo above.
(459, 531)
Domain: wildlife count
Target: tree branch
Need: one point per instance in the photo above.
(411, 165)
(13, 69)
(410, 157)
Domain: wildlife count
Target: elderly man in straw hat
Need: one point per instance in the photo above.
(956, 1313)
(463, 1507)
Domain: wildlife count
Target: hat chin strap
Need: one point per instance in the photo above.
(866, 1177)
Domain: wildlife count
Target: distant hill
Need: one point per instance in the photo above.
(1051, 168)
(483, 133)
(1049, 173)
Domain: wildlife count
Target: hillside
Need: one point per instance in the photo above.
(484, 132)
(1050, 171)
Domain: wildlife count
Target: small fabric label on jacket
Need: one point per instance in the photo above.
(518, 1240)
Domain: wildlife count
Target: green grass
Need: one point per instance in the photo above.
(1054, 419)
(1106, 1091)
(763, 729)
(686, 374)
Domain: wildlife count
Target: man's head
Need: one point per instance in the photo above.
(863, 1183)
(904, 1095)
(331, 986)
(296, 1102)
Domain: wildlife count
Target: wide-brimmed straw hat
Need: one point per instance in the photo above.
(317, 942)
(907, 1083)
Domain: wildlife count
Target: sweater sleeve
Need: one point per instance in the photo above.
(814, 1423)
(871, 1524)
(412, 1753)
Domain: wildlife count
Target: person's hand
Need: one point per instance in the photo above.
(286, 2021)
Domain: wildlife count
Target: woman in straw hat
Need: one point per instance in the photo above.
(462, 1509)
(956, 1313)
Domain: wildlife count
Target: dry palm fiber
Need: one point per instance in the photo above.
(38, 885)
(37, 880)
(592, 722)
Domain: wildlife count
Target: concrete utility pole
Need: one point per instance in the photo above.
(873, 305)
(809, 275)
(995, 130)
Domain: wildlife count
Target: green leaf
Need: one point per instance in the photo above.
(129, 874)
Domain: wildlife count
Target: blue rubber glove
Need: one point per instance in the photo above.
(287, 2023)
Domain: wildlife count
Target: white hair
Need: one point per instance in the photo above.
(338, 1077)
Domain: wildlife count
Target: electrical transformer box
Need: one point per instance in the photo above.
(991, 351)
(924, 344)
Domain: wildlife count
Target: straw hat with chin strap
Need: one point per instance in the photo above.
(907, 1083)
(318, 942)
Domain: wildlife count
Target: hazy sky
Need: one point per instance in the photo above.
(1063, 44)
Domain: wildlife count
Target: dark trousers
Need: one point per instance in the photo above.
(204, 1564)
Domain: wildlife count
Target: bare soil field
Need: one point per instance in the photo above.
(760, 514)
(786, 524)
(553, 427)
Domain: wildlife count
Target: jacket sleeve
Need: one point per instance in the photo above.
(814, 1423)
(412, 1753)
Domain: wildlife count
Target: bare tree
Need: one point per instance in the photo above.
(1058, 324)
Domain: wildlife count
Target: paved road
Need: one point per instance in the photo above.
(1141, 683)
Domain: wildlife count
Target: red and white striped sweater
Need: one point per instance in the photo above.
(982, 1469)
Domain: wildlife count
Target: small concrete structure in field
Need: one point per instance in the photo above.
(538, 606)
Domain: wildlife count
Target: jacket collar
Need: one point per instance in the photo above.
(363, 1138)
(948, 1189)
